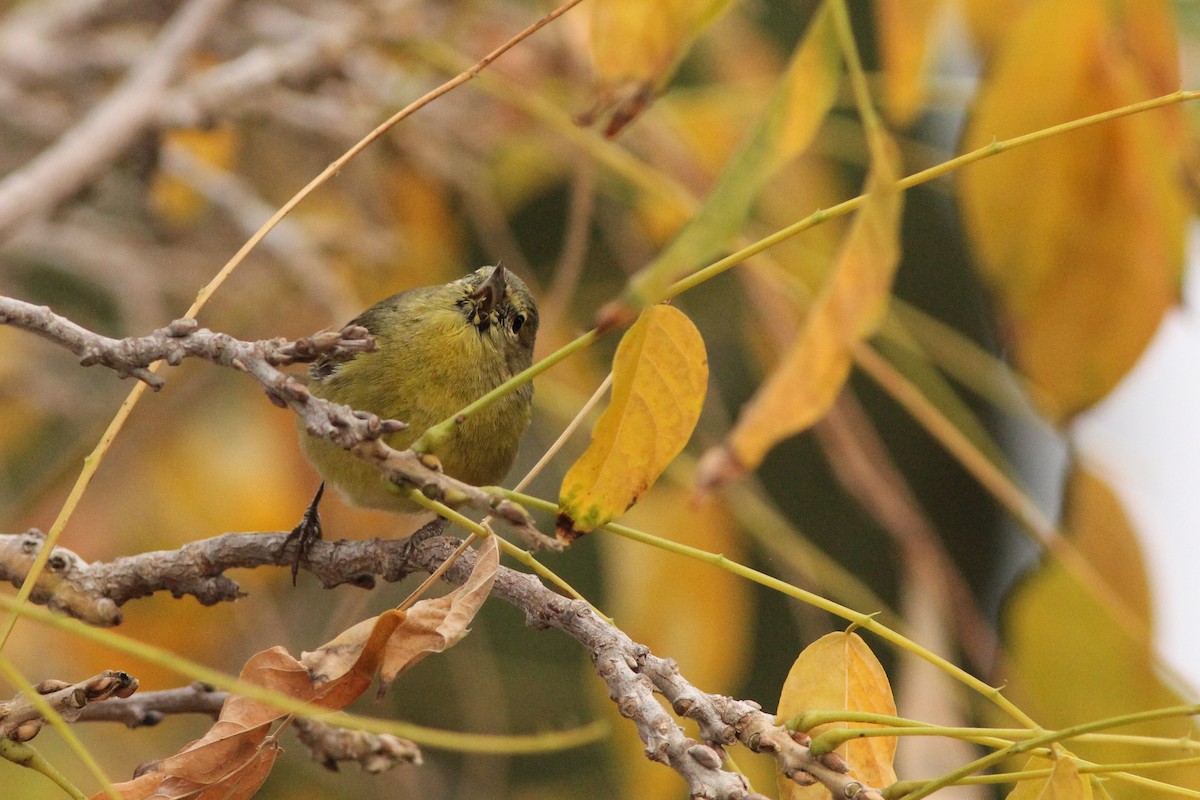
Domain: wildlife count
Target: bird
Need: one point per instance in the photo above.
(438, 349)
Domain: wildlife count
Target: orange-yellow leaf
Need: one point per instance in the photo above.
(433, 626)
(991, 21)
(660, 376)
(1080, 236)
(838, 672)
(1070, 638)
(848, 309)
(799, 104)
(904, 29)
(636, 46)
(1063, 783)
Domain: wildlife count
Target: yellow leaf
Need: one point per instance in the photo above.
(799, 103)
(838, 672)
(1080, 236)
(1101, 531)
(904, 28)
(991, 21)
(636, 46)
(633, 40)
(848, 309)
(660, 375)
(1063, 783)
(1067, 649)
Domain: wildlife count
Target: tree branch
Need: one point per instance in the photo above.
(20, 720)
(357, 431)
(632, 673)
(328, 745)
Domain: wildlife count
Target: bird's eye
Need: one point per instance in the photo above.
(517, 322)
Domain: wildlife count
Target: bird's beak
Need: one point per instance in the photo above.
(489, 294)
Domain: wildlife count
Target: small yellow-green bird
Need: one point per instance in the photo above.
(438, 348)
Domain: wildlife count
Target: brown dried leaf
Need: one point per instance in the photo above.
(344, 667)
(236, 754)
(140, 788)
(433, 626)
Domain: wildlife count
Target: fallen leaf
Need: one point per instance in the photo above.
(433, 626)
(660, 376)
(838, 672)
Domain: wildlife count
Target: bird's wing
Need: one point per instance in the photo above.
(371, 319)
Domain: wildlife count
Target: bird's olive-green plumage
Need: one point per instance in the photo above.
(438, 349)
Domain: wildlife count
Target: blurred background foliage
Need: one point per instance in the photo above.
(501, 171)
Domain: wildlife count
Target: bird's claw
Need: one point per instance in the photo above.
(307, 531)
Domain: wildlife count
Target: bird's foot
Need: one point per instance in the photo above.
(307, 531)
(426, 531)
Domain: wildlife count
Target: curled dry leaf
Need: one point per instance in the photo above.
(433, 626)
(235, 756)
(660, 376)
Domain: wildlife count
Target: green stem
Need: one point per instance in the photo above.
(25, 755)
(55, 720)
(1048, 738)
(442, 431)
(858, 76)
(865, 621)
(901, 788)
(916, 179)
(429, 737)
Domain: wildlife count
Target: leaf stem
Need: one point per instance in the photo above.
(916, 179)
(443, 430)
(1048, 738)
(865, 621)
